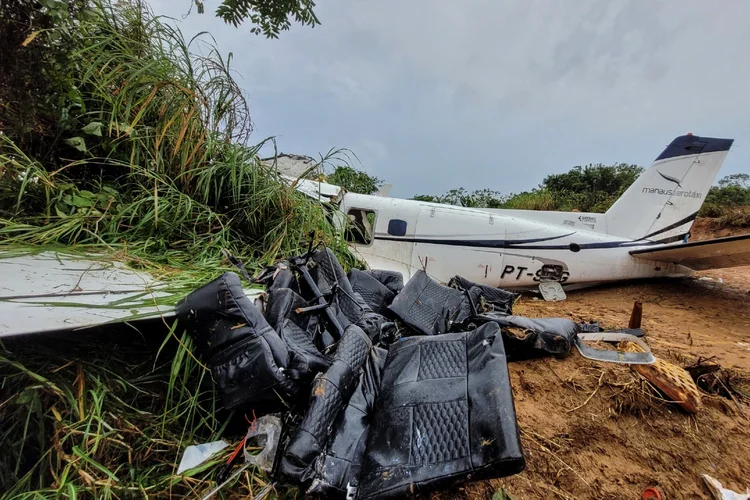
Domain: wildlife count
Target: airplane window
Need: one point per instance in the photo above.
(361, 226)
(397, 227)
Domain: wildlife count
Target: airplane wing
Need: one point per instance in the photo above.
(320, 191)
(58, 291)
(718, 253)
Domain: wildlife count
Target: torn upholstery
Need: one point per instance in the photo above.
(246, 356)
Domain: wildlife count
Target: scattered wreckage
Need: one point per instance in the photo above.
(382, 389)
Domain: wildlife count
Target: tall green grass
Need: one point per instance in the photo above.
(107, 415)
(158, 162)
(150, 162)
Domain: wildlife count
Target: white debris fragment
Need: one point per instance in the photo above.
(197, 454)
(721, 493)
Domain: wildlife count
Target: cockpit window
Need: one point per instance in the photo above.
(361, 226)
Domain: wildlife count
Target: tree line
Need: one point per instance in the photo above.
(589, 188)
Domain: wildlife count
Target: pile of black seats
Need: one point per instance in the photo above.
(391, 389)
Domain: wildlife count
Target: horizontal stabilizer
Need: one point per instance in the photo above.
(718, 253)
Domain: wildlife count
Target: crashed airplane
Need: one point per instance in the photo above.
(644, 234)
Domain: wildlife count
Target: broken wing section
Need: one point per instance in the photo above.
(51, 291)
(718, 253)
(320, 191)
(54, 291)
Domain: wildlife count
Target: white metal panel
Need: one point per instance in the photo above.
(718, 253)
(387, 251)
(669, 191)
(53, 273)
(53, 291)
(314, 189)
(440, 252)
(588, 221)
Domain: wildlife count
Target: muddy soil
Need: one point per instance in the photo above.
(598, 430)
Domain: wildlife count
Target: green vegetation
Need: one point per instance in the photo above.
(355, 181)
(594, 188)
(106, 415)
(146, 152)
(729, 201)
(484, 198)
(117, 134)
(268, 17)
(591, 188)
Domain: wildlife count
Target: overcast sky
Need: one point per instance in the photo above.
(438, 94)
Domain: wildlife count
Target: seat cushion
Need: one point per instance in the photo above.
(444, 411)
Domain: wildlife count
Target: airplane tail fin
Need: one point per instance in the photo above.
(663, 202)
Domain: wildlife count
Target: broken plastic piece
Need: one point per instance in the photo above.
(552, 291)
(721, 493)
(610, 356)
(650, 493)
(268, 431)
(197, 454)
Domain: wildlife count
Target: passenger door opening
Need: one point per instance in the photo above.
(361, 226)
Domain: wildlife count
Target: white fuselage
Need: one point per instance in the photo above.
(496, 247)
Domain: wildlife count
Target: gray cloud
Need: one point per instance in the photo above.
(435, 95)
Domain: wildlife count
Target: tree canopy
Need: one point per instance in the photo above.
(268, 17)
(354, 180)
(589, 188)
(732, 190)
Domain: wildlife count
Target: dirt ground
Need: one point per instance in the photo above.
(597, 430)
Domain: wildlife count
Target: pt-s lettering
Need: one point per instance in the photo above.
(521, 270)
